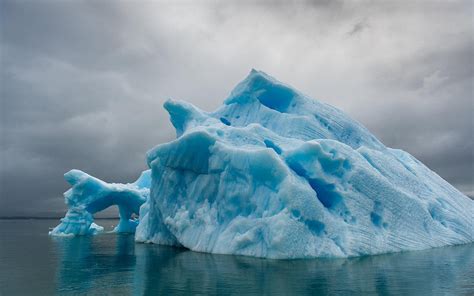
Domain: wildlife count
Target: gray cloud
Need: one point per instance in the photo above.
(82, 83)
(359, 27)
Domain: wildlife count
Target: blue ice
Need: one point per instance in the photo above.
(90, 195)
(275, 174)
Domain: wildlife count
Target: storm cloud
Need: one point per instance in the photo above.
(83, 83)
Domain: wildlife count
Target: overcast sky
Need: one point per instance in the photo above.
(83, 82)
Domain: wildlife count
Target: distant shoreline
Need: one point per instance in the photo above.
(48, 218)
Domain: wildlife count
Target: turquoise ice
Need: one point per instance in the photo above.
(275, 174)
(90, 195)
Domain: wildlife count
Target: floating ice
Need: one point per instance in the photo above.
(90, 195)
(275, 174)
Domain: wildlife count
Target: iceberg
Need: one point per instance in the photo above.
(275, 174)
(90, 195)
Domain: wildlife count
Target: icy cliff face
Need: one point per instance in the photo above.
(90, 195)
(275, 174)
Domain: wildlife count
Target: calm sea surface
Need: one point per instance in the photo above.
(32, 263)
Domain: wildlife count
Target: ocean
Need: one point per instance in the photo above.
(33, 263)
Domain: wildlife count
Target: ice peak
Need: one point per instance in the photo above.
(181, 114)
(75, 176)
(267, 90)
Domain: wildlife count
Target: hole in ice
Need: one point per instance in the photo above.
(376, 215)
(296, 213)
(326, 193)
(277, 98)
(225, 121)
(273, 146)
(376, 219)
(315, 226)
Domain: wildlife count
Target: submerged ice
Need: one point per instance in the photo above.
(275, 174)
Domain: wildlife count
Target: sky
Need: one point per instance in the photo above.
(82, 83)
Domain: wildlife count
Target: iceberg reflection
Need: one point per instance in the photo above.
(116, 264)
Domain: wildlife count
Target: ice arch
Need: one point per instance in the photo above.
(89, 195)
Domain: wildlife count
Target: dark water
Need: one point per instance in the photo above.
(32, 263)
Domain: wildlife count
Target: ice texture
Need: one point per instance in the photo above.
(90, 195)
(275, 174)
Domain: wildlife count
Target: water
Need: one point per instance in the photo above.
(32, 263)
